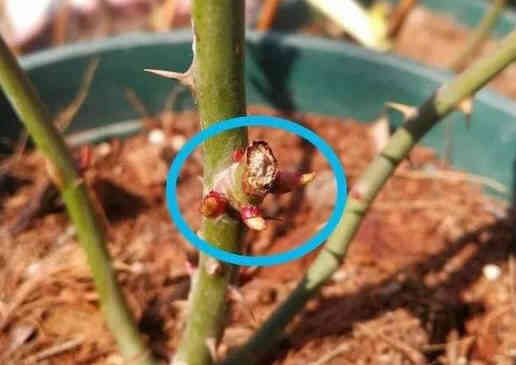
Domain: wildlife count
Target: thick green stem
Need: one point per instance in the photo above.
(33, 113)
(443, 102)
(218, 73)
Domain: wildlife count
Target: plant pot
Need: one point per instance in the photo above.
(286, 72)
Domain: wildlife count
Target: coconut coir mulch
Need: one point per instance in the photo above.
(420, 283)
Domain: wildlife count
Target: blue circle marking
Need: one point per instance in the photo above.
(266, 260)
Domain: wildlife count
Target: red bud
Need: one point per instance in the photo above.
(213, 205)
(286, 181)
(238, 154)
(252, 217)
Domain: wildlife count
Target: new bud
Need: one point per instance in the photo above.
(213, 205)
(252, 217)
(286, 181)
(238, 154)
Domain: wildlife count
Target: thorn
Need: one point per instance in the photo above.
(186, 78)
(407, 110)
(466, 106)
(213, 205)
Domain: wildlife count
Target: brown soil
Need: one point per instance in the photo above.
(416, 282)
(413, 284)
(435, 39)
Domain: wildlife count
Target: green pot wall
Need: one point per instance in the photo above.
(304, 74)
(286, 72)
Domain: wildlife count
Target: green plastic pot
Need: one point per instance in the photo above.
(287, 72)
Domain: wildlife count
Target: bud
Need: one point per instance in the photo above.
(238, 154)
(286, 181)
(213, 205)
(252, 217)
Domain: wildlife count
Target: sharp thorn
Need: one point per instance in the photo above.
(466, 106)
(184, 77)
(407, 110)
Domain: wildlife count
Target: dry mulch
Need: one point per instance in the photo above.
(435, 39)
(417, 283)
(413, 286)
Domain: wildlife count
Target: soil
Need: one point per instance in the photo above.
(435, 39)
(430, 273)
(414, 284)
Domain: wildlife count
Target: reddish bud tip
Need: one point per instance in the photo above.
(307, 178)
(286, 181)
(252, 218)
(238, 154)
(213, 205)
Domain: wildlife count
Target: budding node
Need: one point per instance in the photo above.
(286, 181)
(252, 218)
(238, 154)
(213, 205)
(261, 169)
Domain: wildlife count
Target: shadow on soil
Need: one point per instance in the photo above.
(440, 308)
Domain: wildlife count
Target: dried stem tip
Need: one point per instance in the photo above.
(286, 181)
(252, 217)
(213, 205)
(261, 169)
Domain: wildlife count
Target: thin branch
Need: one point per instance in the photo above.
(478, 36)
(32, 112)
(439, 105)
(473, 44)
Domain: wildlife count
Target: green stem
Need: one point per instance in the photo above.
(218, 73)
(475, 41)
(32, 112)
(439, 105)
(478, 36)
